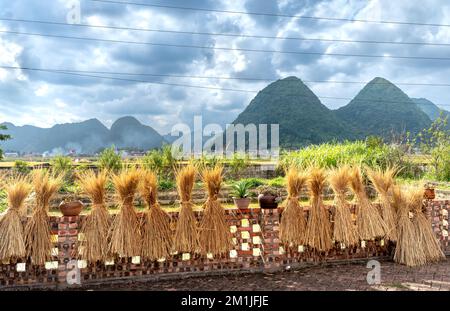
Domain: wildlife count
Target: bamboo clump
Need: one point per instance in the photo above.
(37, 231)
(369, 223)
(155, 229)
(383, 181)
(12, 239)
(409, 250)
(344, 230)
(293, 221)
(186, 235)
(96, 225)
(215, 236)
(318, 229)
(424, 232)
(125, 240)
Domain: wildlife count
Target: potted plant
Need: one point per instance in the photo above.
(268, 197)
(241, 194)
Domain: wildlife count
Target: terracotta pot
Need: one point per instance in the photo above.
(241, 203)
(72, 208)
(429, 194)
(267, 201)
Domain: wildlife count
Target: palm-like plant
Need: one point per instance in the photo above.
(241, 189)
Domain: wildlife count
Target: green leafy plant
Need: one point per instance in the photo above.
(238, 163)
(154, 161)
(21, 167)
(254, 182)
(435, 141)
(61, 164)
(110, 160)
(269, 190)
(240, 189)
(166, 184)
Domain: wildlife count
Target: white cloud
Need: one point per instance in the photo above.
(45, 98)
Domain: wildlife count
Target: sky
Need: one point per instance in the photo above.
(45, 98)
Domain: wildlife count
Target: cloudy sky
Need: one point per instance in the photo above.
(43, 98)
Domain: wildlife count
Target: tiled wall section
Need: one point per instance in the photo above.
(257, 247)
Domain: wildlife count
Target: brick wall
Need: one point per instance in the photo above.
(257, 247)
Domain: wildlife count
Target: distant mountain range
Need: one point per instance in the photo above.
(87, 137)
(380, 108)
(430, 109)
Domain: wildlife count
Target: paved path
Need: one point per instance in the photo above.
(394, 277)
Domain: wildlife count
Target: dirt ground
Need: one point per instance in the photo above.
(350, 277)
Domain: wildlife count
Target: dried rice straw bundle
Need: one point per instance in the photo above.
(293, 221)
(369, 223)
(125, 240)
(318, 229)
(156, 232)
(96, 224)
(383, 181)
(215, 236)
(186, 235)
(37, 231)
(344, 229)
(424, 231)
(12, 244)
(408, 251)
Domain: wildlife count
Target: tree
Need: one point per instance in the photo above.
(435, 141)
(3, 137)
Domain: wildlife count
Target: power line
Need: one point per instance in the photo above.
(334, 19)
(232, 78)
(222, 34)
(227, 49)
(188, 85)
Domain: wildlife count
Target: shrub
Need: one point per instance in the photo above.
(21, 167)
(166, 184)
(110, 160)
(238, 163)
(62, 165)
(278, 182)
(154, 161)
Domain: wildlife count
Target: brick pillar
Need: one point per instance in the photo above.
(270, 226)
(67, 246)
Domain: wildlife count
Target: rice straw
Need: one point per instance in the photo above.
(215, 236)
(156, 231)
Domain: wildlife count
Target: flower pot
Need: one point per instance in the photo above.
(72, 208)
(429, 194)
(267, 201)
(241, 203)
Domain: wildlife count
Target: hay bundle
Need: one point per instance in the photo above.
(344, 230)
(382, 181)
(186, 235)
(156, 232)
(408, 251)
(96, 224)
(293, 222)
(12, 245)
(369, 223)
(318, 229)
(37, 231)
(215, 236)
(125, 240)
(424, 232)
